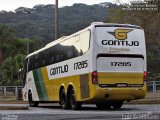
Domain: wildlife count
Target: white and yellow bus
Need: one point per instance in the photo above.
(104, 64)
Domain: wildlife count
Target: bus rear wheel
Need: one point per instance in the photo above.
(75, 105)
(30, 100)
(63, 100)
(117, 105)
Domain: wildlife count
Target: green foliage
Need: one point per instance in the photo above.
(10, 68)
(116, 15)
(41, 21)
(12, 54)
(7, 35)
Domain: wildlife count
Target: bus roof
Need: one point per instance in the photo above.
(93, 24)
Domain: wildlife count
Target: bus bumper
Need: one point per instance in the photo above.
(123, 94)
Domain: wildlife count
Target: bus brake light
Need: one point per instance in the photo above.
(145, 75)
(95, 77)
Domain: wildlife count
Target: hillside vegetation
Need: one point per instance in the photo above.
(41, 20)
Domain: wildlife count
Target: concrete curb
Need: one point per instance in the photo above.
(144, 102)
(13, 102)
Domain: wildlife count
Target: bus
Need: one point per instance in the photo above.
(103, 64)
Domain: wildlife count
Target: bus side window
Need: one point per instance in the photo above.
(36, 62)
(59, 52)
(51, 55)
(42, 59)
(84, 41)
(75, 52)
(52, 59)
(70, 52)
(65, 52)
(59, 58)
(30, 63)
(47, 56)
(67, 46)
(77, 48)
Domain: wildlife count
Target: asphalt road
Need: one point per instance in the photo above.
(88, 112)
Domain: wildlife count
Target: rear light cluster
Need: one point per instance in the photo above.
(95, 77)
(145, 75)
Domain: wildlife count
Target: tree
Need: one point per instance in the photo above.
(10, 68)
(12, 54)
(7, 35)
(7, 71)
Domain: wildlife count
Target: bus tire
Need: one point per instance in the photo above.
(75, 105)
(103, 106)
(63, 100)
(30, 101)
(117, 105)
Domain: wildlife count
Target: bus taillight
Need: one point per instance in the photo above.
(145, 75)
(95, 77)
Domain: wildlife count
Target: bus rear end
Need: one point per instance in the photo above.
(120, 67)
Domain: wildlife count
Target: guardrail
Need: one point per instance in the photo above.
(153, 90)
(15, 92)
(10, 93)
